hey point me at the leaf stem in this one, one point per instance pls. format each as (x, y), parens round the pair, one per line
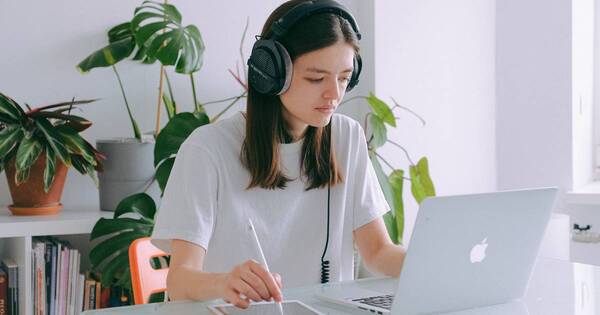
(403, 149)
(196, 106)
(136, 130)
(237, 98)
(384, 160)
(409, 110)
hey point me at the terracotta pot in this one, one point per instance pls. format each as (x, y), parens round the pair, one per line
(29, 198)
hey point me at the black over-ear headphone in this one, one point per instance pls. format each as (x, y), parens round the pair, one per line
(270, 65)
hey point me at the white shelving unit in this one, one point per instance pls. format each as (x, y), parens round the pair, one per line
(16, 234)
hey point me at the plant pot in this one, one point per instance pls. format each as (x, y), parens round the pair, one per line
(29, 198)
(128, 169)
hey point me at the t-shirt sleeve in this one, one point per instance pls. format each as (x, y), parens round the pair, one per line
(369, 201)
(187, 210)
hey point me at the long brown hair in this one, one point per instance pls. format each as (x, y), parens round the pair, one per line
(265, 125)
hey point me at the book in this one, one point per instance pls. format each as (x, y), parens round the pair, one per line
(92, 295)
(3, 292)
(80, 291)
(11, 269)
(98, 291)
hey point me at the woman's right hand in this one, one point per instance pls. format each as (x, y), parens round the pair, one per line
(250, 281)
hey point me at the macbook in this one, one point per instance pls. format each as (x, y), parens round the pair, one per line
(465, 252)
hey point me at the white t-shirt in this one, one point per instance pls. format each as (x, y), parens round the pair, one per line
(206, 202)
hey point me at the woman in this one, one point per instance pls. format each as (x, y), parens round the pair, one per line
(300, 172)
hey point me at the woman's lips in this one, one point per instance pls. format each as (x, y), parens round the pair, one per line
(326, 109)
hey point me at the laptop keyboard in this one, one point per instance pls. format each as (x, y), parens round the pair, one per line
(382, 301)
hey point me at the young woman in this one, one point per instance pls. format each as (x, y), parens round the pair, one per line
(300, 172)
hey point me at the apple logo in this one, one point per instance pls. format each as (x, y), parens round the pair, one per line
(478, 251)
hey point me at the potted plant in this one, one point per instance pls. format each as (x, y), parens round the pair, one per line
(158, 34)
(378, 120)
(36, 148)
(134, 215)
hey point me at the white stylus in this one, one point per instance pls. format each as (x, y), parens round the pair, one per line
(262, 257)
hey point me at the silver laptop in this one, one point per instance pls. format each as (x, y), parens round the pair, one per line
(465, 252)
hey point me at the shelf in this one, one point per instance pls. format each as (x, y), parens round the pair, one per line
(587, 195)
(68, 221)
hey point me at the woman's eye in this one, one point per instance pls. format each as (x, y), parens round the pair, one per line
(345, 79)
(312, 80)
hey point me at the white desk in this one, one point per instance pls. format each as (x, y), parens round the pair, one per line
(556, 288)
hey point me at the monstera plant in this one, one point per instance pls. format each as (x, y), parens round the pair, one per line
(155, 33)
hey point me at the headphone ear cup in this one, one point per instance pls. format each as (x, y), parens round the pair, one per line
(267, 67)
(355, 73)
(288, 68)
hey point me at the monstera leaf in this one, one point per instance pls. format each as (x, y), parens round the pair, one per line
(169, 141)
(133, 219)
(157, 29)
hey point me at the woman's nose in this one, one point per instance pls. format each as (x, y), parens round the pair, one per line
(332, 90)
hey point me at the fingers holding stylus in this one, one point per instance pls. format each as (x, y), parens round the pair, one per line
(251, 281)
(268, 279)
(277, 278)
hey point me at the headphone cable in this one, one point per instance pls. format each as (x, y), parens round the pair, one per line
(325, 263)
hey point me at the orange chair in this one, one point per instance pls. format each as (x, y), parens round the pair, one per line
(145, 280)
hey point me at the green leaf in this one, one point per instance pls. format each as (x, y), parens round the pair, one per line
(28, 152)
(381, 110)
(76, 144)
(21, 176)
(104, 227)
(147, 31)
(9, 137)
(108, 56)
(163, 172)
(76, 122)
(191, 59)
(50, 169)
(119, 32)
(201, 115)
(382, 179)
(10, 108)
(114, 266)
(112, 246)
(139, 203)
(396, 180)
(421, 184)
(91, 172)
(379, 131)
(157, 27)
(54, 139)
(7, 120)
(78, 163)
(173, 134)
(391, 226)
(63, 105)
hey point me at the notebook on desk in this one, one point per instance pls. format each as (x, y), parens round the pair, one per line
(465, 252)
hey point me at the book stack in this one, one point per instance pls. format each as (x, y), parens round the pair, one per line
(59, 288)
(57, 282)
(9, 287)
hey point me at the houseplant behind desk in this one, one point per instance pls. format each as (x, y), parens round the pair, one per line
(36, 148)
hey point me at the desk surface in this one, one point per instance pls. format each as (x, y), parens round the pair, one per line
(556, 288)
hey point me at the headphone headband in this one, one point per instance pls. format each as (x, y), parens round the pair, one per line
(281, 26)
(270, 65)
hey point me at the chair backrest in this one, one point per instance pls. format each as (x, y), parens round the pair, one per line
(145, 280)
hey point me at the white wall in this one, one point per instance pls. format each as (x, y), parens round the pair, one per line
(43, 42)
(533, 62)
(432, 56)
(437, 58)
